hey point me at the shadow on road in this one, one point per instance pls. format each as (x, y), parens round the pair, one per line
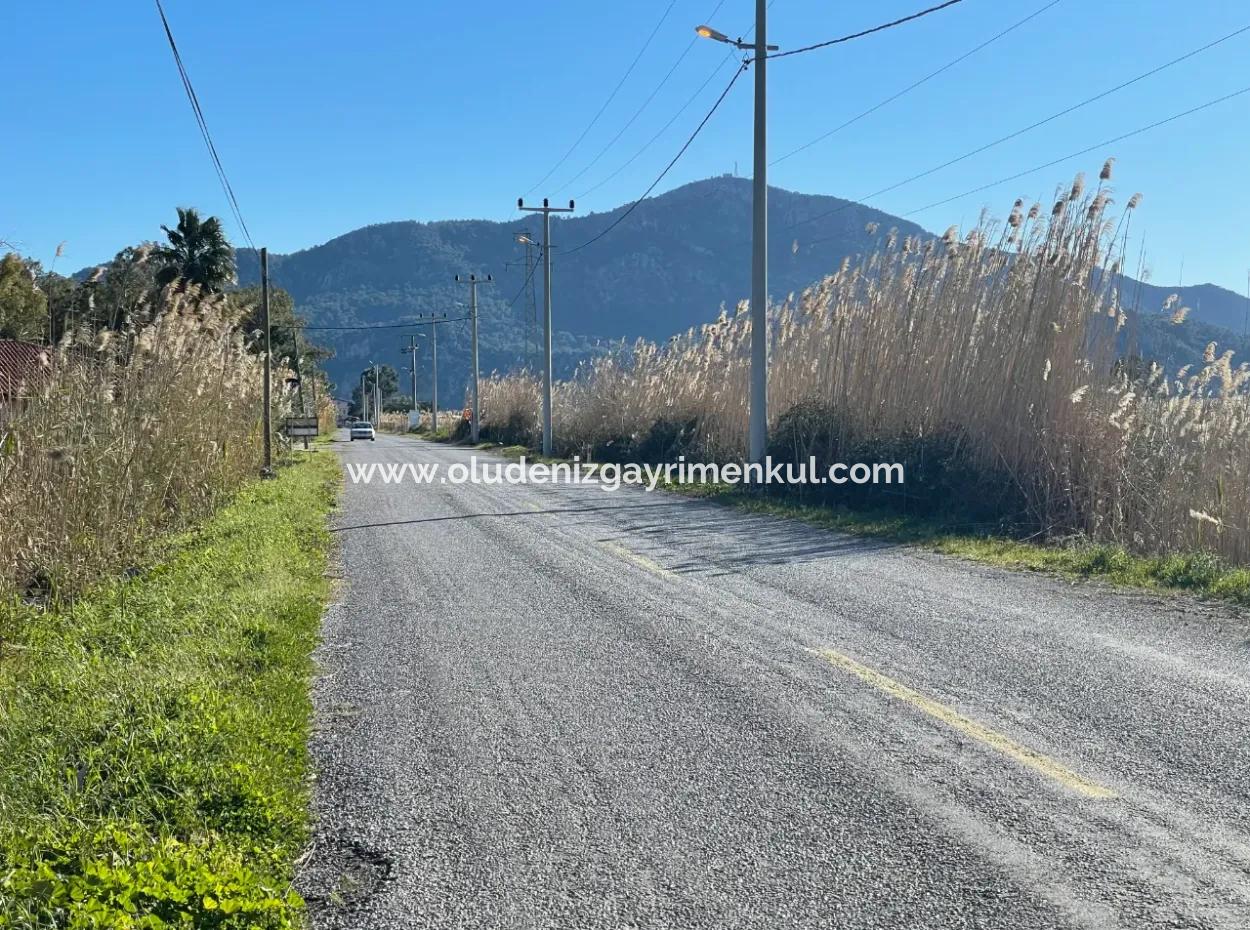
(479, 516)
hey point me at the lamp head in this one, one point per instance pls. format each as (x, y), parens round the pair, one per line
(708, 32)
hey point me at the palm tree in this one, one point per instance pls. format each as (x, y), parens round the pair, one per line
(198, 252)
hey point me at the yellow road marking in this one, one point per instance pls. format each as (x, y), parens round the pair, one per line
(534, 507)
(640, 560)
(983, 734)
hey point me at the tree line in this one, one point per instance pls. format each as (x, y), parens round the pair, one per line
(43, 306)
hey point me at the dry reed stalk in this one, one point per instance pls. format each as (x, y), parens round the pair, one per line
(134, 433)
(1001, 344)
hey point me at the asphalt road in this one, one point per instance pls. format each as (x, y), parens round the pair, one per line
(554, 706)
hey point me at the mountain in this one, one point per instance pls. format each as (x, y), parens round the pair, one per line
(671, 264)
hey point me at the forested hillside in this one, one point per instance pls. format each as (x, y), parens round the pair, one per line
(672, 264)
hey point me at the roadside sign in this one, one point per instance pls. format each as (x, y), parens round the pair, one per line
(301, 426)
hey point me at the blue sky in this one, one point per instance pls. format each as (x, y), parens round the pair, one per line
(331, 115)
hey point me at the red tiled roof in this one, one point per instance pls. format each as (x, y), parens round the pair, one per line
(20, 363)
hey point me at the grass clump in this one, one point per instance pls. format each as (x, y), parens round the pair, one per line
(153, 762)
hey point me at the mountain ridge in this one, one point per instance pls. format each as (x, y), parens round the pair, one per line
(671, 264)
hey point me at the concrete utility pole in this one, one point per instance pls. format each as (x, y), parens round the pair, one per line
(758, 430)
(546, 210)
(434, 402)
(434, 320)
(759, 245)
(473, 282)
(264, 312)
(375, 411)
(415, 419)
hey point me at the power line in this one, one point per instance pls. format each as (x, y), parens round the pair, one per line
(526, 283)
(1056, 161)
(203, 124)
(408, 325)
(1086, 151)
(608, 102)
(684, 107)
(698, 129)
(910, 87)
(1029, 128)
(866, 32)
(646, 103)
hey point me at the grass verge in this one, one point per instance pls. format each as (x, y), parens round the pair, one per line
(153, 762)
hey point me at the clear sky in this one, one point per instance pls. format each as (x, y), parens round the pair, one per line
(330, 115)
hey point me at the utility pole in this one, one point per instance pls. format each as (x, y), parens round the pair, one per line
(377, 397)
(434, 320)
(434, 399)
(473, 282)
(759, 246)
(546, 210)
(758, 429)
(264, 312)
(415, 419)
(299, 374)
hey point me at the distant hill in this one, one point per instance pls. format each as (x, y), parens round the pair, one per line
(670, 265)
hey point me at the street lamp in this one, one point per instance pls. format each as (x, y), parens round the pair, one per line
(759, 230)
(708, 32)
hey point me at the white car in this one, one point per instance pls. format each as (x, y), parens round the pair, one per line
(362, 429)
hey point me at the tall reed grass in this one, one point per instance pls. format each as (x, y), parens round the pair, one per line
(126, 435)
(996, 364)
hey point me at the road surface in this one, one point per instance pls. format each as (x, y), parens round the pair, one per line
(559, 707)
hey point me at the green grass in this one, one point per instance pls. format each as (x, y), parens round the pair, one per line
(153, 760)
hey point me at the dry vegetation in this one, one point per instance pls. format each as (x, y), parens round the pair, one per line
(126, 435)
(993, 364)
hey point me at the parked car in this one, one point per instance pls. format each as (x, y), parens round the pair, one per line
(361, 429)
